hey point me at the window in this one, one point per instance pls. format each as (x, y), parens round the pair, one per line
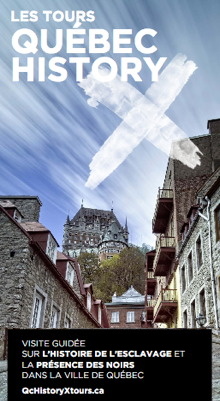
(183, 278)
(202, 306)
(70, 274)
(89, 301)
(199, 253)
(38, 311)
(54, 321)
(67, 322)
(17, 216)
(115, 317)
(217, 222)
(190, 267)
(51, 250)
(100, 315)
(130, 317)
(185, 323)
(193, 314)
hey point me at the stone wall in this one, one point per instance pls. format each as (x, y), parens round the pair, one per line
(29, 206)
(41, 278)
(202, 276)
(3, 380)
(14, 256)
(23, 270)
(215, 366)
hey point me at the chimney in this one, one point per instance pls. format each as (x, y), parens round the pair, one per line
(214, 131)
(214, 126)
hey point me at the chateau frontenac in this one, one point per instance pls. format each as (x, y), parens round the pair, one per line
(94, 230)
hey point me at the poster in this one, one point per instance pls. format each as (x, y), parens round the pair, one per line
(49, 131)
(83, 103)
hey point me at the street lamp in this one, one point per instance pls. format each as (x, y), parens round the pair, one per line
(201, 320)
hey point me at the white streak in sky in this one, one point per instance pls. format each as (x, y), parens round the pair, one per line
(143, 117)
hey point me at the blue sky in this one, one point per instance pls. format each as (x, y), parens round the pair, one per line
(49, 133)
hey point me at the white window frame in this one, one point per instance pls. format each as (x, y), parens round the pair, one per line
(130, 317)
(55, 312)
(39, 302)
(115, 317)
(70, 273)
(99, 314)
(89, 301)
(67, 320)
(51, 249)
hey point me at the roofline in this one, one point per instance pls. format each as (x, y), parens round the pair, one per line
(211, 121)
(21, 197)
(40, 231)
(210, 190)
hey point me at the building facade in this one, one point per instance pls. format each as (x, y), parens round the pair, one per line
(127, 311)
(94, 230)
(40, 287)
(199, 258)
(174, 201)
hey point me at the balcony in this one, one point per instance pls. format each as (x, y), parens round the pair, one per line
(150, 260)
(150, 308)
(163, 210)
(151, 283)
(165, 254)
(165, 306)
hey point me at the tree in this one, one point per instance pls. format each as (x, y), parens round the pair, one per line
(89, 264)
(119, 273)
(144, 248)
(116, 274)
(130, 270)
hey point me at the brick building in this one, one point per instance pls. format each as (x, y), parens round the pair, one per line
(40, 287)
(173, 204)
(94, 230)
(127, 311)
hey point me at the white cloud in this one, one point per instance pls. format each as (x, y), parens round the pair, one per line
(143, 117)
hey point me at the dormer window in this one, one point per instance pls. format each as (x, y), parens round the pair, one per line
(99, 315)
(70, 274)
(89, 301)
(51, 249)
(17, 216)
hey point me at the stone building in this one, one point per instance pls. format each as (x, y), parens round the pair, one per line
(174, 201)
(127, 311)
(39, 287)
(199, 257)
(93, 230)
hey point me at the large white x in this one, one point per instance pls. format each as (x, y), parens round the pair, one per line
(143, 117)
